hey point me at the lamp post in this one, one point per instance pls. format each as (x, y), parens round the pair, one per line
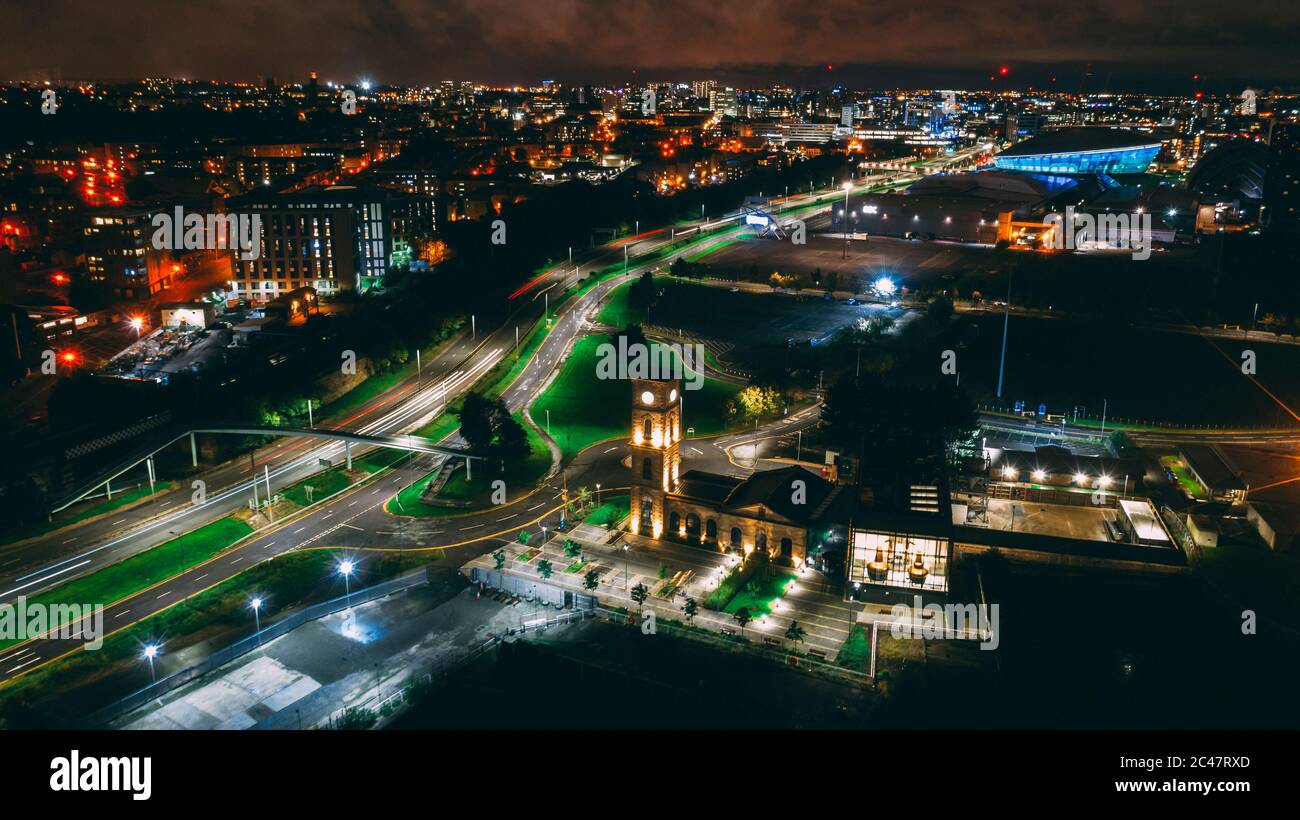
(256, 606)
(848, 186)
(151, 652)
(597, 495)
(346, 567)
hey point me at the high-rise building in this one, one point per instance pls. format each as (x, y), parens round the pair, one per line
(335, 238)
(118, 251)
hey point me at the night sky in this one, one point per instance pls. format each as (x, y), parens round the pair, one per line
(1132, 44)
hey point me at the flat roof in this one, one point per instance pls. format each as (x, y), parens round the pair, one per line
(1211, 468)
(1143, 518)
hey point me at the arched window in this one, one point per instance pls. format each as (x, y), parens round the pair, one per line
(692, 525)
(711, 530)
(735, 537)
(647, 468)
(674, 521)
(760, 543)
(787, 548)
(645, 428)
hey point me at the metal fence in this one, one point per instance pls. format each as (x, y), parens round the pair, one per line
(242, 647)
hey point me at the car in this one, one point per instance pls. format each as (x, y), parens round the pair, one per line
(850, 301)
(734, 290)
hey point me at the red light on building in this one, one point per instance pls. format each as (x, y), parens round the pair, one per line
(60, 279)
(1004, 71)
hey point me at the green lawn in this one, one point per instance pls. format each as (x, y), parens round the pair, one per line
(585, 409)
(759, 600)
(81, 682)
(147, 568)
(1183, 475)
(617, 312)
(100, 508)
(519, 477)
(612, 510)
(855, 653)
(323, 484)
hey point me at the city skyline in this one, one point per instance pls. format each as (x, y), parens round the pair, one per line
(1152, 47)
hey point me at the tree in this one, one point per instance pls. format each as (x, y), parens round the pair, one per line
(689, 608)
(583, 497)
(572, 548)
(500, 557)
(743, 618)
(641, 293)
(795, 632)
(544, 568)
(476, 422)
(639, 593)
(663, 570)
(755, 401)
(512, 440)
(524, 537)
(940, 310)
(590, 580)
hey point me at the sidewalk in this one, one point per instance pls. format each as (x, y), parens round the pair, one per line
(634, 559)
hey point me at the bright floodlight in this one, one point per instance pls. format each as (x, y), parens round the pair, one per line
(346, 567)
(151, 651)
(136, 323)
(848, 186)
(1039, 475)
(1105, 480)
(1008, 472)
(256, 603)
(1080, 478)
(365, 85)
(884, 285)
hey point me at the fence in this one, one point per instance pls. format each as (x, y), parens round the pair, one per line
(224, 656)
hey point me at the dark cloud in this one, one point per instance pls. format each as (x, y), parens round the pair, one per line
(422, 41)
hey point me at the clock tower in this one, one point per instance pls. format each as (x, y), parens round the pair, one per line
(656, 450)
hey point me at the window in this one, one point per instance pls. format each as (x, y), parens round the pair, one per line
(645, 428)
(711, 530)
(647, 469)
(735, 537)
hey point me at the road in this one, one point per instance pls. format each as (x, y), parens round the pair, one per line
(359, 510)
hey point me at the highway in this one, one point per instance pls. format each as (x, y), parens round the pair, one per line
(338, 521)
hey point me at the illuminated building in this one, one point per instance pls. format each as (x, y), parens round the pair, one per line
(1082, 151)
(776, 513)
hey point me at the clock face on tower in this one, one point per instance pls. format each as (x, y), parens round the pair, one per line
(647, 397)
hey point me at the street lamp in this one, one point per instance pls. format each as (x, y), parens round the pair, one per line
(136, 324)
(256, 605)
(848, 186)
(597, 495)
(346, 568)
(150, 652)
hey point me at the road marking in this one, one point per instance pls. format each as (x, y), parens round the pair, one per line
(164, 504)
(352, 503)
(70, 540)
(164, 595)
(349, 526)
(535, 506)
(201, 577)
(471, 527)
(237, 560)
(508, 517)
(300, 529)
(21, 665)
(120, 614)
(115, 523)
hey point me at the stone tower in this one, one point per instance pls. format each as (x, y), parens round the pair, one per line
(656, 450)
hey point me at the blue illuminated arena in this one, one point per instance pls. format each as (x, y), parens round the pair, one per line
(1082, 151)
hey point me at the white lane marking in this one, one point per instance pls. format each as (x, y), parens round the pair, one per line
(508, 517)
(120, 614)
(164, 595)
(471, 527)
(300, 529)
(535, 506)
(45, 578)
(237, 560)
(115, 523)
(70, 540)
